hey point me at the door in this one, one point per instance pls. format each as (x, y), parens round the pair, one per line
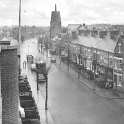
(115, 80)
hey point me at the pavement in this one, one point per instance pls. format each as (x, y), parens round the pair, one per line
(26, 49)
(45, 115)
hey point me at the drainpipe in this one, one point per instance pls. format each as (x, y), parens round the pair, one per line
(79, 59)
(108, 65)
(95, 65)
(68, 57)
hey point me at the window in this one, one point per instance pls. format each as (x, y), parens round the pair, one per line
(120, 78)
(119, 47)
(120, 61)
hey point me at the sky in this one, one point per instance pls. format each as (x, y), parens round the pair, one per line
(38, 12)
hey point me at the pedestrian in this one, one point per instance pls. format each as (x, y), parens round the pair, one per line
(24, 65)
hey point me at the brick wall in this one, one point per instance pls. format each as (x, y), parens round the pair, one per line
(9, 86)
(0, 110)
(0, 101)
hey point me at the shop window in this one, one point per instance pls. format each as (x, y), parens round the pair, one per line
(120, 61)
(115, 78)
(120, 78)
(81, 62)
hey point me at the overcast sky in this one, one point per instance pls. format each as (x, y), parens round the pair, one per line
(38, 12)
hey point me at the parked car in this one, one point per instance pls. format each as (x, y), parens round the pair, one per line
(104, 83)
(109, 83)
(22, 77)
(53, 60)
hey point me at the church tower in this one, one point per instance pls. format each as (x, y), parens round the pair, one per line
(55, 23)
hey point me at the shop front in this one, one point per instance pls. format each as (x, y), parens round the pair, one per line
(118, 71)
(105, 76)
(118, 78)
(107, 72)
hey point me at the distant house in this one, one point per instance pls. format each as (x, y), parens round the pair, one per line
(73, 27)
(73, 30)
(4, 43)
(119, 49)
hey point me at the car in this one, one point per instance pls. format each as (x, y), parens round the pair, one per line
(22, 112)
(23, 78)
(104, 83)
(53, 60)
(109, 84)
(100, 82)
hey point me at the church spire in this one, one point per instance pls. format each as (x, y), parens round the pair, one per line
(55, 8)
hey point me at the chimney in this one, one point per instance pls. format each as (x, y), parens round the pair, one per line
(108, 35)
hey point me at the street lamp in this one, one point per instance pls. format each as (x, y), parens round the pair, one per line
(19, 36)
(19, 22)
(46, 100)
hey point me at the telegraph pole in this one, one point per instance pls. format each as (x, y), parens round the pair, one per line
(46, 100)
(19, 35)
(20, 21)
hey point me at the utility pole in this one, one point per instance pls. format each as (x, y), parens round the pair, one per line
(68, 50)
(108, 66)
(68, 57)
(19, 22)
(19, 36)
(95, 63)
(46, 100)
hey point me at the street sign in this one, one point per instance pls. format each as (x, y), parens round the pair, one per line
(41, 68)
(29, 93)
(41, 77)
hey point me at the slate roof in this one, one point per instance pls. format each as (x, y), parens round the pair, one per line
(102, 44)
(5, 41)
(73, 27)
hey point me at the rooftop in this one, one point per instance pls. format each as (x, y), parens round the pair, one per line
(5, 41)
(102, 44)
(73, 27)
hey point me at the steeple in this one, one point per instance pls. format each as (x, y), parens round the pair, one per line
(55, 23)
(55, 8)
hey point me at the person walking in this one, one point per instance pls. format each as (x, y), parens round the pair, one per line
(24, 65)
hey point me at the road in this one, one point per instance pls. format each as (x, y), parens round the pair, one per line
(71, 102)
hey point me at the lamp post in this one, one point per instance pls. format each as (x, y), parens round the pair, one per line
(19, 36)
(68, 57)
(68, 45)
(46, 100)
(20, 21)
